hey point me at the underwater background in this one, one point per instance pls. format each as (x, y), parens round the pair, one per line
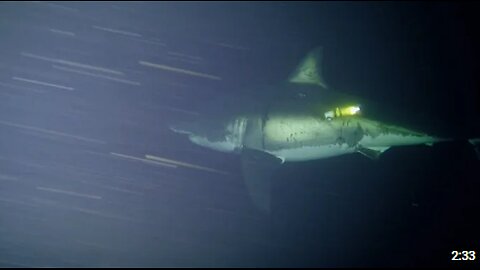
(87, 91)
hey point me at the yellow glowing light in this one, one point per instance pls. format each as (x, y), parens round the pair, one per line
(342, 111)
(350, 110)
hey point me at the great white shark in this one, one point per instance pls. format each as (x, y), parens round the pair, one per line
(307, 120)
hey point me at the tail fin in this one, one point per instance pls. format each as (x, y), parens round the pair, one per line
(476, 145)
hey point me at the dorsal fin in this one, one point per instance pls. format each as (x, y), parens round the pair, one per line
(310, 69)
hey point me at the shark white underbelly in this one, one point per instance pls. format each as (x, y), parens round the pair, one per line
(396, 140)
(305, 153)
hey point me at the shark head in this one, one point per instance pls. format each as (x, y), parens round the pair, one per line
(223, 136)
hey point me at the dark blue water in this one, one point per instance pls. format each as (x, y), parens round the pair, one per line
(84, 104)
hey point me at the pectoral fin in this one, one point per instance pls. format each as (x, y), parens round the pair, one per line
(258, 168)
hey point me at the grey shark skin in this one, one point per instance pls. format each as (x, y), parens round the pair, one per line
(297, 129)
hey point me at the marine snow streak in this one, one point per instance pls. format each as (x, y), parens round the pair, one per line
(51, 132)
(21, 87)
(143, 160)
(43, 83)
(8, 177)
(184, 164)
(70, 63)
(61, 32)
(61, 7)
(191, 57)
(178, 110)
(96, 75)
(6, 200)
(167, 162)
(179, 70)
(152, 42)
(72, 193)
(226, 45)
(126, 33)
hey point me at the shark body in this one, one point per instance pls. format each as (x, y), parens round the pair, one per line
(307, 124)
